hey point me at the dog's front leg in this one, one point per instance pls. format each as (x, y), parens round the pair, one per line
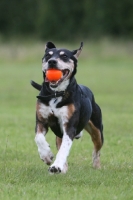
(43, 147)
(60, 162)
(41, 130)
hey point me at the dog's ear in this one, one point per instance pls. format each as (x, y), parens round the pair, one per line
(49, 45)
(77, 52)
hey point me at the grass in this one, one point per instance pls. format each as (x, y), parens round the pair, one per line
(106, 67)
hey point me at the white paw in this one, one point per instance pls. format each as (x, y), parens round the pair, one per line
(46, 155)
(54, 169)
(65, 168)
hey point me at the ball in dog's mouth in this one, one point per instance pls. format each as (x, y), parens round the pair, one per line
(54, 74)
(55, 83)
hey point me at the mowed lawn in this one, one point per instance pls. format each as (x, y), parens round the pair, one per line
(106, 67)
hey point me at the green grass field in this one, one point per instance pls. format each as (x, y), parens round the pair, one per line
(107, 68)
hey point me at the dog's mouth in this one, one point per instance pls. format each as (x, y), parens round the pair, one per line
(54, 84)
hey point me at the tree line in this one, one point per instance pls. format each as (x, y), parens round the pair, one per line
(66, 19)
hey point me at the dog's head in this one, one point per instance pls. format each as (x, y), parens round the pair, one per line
(61, 59)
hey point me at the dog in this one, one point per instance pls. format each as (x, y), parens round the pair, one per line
(67, 108)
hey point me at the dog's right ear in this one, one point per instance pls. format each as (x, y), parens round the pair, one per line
(49, 45)
(77, 52)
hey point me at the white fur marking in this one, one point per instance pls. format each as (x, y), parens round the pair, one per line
(62, 52)
(60, 113)
(45, 111)
(63, 85)
(50, 52)
(62, 153)
(43, 148)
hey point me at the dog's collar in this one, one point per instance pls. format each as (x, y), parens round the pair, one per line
(54, 95)
(65, 94)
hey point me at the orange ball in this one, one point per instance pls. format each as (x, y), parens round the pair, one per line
(53, 74)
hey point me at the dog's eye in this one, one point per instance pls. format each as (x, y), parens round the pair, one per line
(64, 56)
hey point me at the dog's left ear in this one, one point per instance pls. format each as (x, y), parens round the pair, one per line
(77, 52)
(49, 45)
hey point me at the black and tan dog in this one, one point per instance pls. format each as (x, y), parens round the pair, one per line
(67, 108)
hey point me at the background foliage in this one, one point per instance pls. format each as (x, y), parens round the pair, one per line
(66, 19)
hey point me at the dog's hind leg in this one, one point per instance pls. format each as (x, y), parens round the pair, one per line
(97, 140)
(58, 144)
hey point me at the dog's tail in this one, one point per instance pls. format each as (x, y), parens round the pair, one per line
(36, 85)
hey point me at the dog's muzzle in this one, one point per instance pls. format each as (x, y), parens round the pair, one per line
(53, 64)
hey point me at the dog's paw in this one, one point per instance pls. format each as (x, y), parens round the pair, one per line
(65, 168)
(46, 157)
(44, 149)
(54, 170)
(96, 160)
(96, 164)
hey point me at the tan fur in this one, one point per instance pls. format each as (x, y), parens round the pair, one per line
(71, 110)
(96, 138)
(40, 126)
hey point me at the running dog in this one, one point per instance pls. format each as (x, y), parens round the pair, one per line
(67, 108)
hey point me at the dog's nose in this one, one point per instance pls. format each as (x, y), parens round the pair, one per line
(52, 63)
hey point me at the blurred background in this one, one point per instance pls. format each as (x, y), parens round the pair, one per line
(105, 64)
(66, 20)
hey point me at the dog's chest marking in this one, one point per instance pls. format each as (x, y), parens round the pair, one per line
(61, 113)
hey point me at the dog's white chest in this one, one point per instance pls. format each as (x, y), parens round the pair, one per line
(53, 103)
(60, 113)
